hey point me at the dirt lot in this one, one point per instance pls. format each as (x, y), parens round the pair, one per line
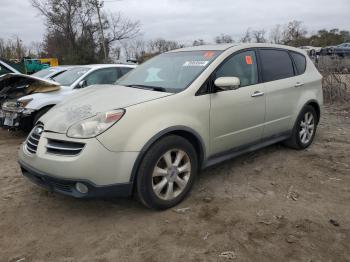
(272, 205)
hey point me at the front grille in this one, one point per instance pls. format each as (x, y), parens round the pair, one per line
(50, 183)
(34, 138)
(65, 148)
(62, 186)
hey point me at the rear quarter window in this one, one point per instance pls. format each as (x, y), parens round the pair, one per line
(276, 64)
(300, 62)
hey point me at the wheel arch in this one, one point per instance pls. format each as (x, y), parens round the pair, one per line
(48, 107)
(317, 108)
(188, 133)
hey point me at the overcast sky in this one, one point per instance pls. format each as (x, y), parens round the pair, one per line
(186, 20)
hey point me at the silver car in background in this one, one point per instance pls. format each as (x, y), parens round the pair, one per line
(177, 113)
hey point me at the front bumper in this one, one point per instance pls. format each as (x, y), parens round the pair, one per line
(15, 118)
(105, 173)
(67, 186)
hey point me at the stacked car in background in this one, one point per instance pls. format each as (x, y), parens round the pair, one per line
(342, 50)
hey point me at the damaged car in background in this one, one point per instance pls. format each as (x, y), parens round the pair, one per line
(24, 99)
(14, 88)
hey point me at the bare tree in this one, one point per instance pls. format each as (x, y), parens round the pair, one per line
(276, 34)
(247, 37)
(293, 33)
(198, 42)
(35, 49)
(161, 45)
(134, 49)
(223, 38)
(73, 31)
(121, 28)
(13, 49)
(258, 36)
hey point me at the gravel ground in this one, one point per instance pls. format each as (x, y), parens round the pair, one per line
(275, 204)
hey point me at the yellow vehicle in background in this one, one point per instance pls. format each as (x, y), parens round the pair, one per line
(50, 61)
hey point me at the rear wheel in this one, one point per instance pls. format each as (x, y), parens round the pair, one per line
(167, 172)
(304, 129)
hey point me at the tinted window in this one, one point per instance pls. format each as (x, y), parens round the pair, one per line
(300, 62)
(102, 76)
(4, 70)
(276, 64)
(125, 70)
(243, 66)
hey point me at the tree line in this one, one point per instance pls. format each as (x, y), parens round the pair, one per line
(82, 32)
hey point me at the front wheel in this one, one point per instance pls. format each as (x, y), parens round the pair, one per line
(167, 172)
(304, 129)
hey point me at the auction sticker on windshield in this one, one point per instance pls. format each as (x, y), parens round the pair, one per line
(195, 63)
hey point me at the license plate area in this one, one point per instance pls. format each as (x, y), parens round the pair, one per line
(9, 118)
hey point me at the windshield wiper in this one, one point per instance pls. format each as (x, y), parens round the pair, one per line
(154, 88)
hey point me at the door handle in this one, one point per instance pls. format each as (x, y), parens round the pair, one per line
(299, 84)
(257, 93)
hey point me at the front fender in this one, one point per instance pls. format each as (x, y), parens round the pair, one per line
(144, 122)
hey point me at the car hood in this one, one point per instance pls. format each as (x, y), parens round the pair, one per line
(89, 101)
(14, 86)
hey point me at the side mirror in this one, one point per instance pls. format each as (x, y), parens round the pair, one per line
(227, 83)
(82, 84)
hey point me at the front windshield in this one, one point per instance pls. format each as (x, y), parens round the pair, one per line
(70, 76)
(45, 72)
(170, 72)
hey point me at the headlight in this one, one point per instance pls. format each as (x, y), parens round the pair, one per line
(95, 125)
(23, 103)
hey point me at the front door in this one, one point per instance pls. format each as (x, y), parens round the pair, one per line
(237, 116)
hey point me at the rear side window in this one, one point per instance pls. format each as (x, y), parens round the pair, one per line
(276, 64)
(300, 62)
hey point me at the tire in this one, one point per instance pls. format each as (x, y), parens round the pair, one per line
(40, 113)
(303, 135)
(154, 188)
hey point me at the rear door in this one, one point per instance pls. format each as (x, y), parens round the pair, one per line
(282, 87)
(237, 116)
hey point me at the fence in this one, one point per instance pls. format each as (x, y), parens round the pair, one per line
(336, 78)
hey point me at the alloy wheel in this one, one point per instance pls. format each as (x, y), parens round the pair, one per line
(307, 128)
(171, 174)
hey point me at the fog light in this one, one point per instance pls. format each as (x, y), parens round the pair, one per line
(81, 188)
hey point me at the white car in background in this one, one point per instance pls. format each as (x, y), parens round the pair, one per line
(52, 72)
(42, 95)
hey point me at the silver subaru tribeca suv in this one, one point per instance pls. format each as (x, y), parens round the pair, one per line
(174, 115)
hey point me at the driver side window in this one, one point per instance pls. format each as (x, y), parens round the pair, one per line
(102, 76)
(242, 65)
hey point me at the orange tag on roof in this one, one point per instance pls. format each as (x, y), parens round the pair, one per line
(209, 54)
(248, 60)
